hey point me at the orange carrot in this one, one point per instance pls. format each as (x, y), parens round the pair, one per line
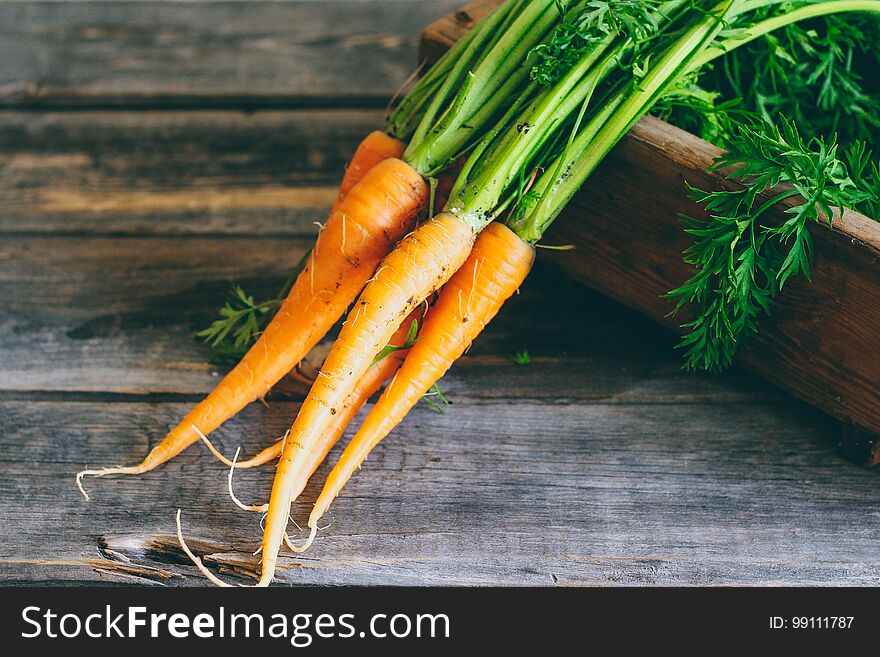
(368, 384)
(365, 225)
(375, 376)
(421, 263)
(497, 266)
(375, 147)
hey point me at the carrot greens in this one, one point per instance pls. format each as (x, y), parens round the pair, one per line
(816, 78)
(521, 358)
(242, 320)
(742, 264)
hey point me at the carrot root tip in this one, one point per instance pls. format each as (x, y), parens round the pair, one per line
(102, 473)
(225, 461)
(262, 508)
(313, 530)
(196, 560)
(263, 457)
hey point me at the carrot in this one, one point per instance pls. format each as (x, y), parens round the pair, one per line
(421, 263)
(479, 93)
(495, 269)
(368, 384)
(364, 226)
(588, 98)
(374, 148)
(372, 380)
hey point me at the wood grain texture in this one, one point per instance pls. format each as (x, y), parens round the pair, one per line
(823, 340)
(601, 462)
(195, 172)
(200, 54)
(492, 492)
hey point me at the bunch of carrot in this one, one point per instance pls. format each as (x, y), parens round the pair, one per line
(532, 99)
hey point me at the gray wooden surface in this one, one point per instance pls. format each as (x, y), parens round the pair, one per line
(125, 214)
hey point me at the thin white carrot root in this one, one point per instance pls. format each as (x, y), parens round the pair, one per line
(101, 473)
(263, 508)
(198, 562)
(262, 529)
(225, 461)
(259, 459)
(313, 530)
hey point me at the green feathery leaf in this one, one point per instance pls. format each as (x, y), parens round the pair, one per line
(242, 321)
(742, 261)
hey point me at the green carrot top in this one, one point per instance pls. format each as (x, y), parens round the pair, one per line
(603, 67)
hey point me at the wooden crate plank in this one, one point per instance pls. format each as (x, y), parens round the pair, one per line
(491, 492)
(821, 341)
(221, 54)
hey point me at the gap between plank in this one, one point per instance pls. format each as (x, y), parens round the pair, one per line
(178, 103)
(110, 397)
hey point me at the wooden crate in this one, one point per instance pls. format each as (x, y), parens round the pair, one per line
(822, 342)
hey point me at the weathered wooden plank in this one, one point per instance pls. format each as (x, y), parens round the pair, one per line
(599, 463)
(149, 173)
(249, 54)
(522, 492)
(822, 341)
(120, 314)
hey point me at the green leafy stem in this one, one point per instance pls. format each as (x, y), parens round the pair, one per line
(742, 260)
